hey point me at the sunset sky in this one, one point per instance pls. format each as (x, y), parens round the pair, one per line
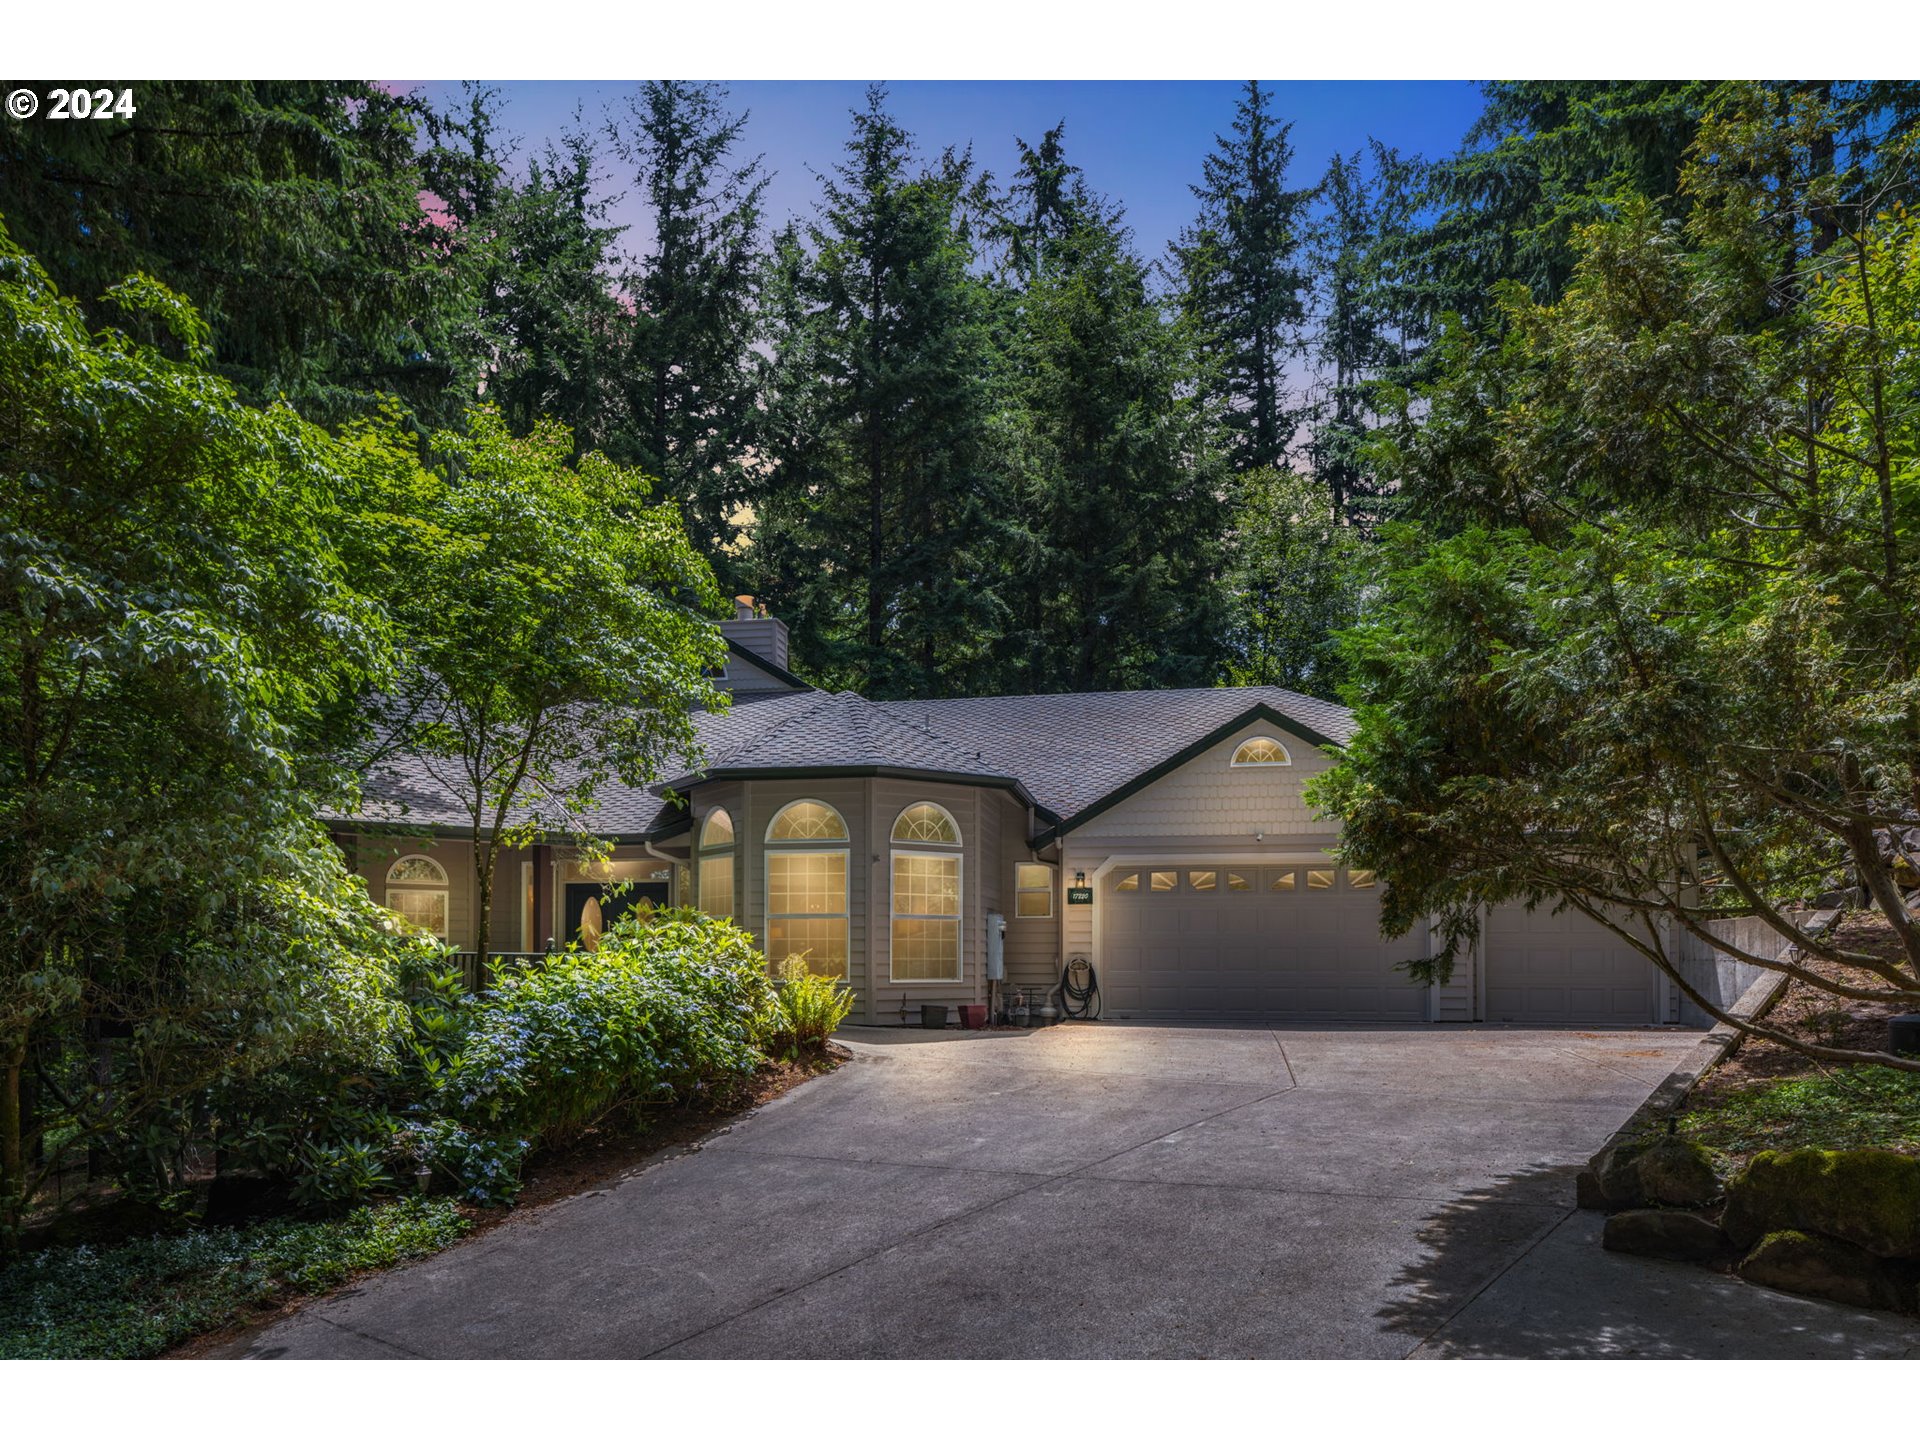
(1140, 142)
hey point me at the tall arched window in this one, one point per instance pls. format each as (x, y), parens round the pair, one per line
(807, 887)
(417, 892)
(715, 862)
(925, 937)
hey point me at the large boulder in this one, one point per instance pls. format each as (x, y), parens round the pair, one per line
(1830, 1269)
(1869, 1198)
(1667, 1235)
(1658, 1170)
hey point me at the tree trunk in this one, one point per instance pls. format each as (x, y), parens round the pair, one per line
(13, 1168)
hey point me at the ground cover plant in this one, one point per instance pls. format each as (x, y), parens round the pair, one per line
(136, 1299)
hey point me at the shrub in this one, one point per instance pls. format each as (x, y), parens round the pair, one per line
(136, 1300)
(658, 1011)
(810, 1006)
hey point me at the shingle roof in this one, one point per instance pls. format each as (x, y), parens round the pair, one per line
(1064, 752)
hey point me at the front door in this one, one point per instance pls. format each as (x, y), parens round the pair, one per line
(593, 907)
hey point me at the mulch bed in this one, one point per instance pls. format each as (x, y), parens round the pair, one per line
(601, 1158)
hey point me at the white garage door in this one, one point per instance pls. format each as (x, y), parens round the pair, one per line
(1180, 941)
(1547, 969)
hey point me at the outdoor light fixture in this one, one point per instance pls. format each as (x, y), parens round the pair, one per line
(1079, 877)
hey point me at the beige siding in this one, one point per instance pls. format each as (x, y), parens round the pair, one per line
(743, 677)
(889, 1001)
(373, 856)
(1208, 800)
(1033, 945)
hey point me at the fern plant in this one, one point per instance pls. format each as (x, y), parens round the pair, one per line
(810, 1006)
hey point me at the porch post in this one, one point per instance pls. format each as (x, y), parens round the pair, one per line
(543, 911)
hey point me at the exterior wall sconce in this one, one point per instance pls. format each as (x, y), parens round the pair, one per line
(1079, 877)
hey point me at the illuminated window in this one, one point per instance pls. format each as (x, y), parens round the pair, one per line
(1238, 882)
(925, 824)
(926, 917)
(417, 893)
(1285, 880)
(1201, 879)
(1360, 879)
(1319, 879)
(715, 862)
(1128, 882)
(1032, 891)
(806, 820)
(1262, 751)
(1165, 880)
(807, 889)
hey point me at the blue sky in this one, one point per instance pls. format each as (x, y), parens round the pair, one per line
(1140, 142)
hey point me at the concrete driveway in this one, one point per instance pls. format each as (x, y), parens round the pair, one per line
(1110, 1191)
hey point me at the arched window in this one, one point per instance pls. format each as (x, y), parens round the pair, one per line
(1261, 751)
(925, 824)
(806, 820)
(417, 892)
(715, 862)
(807, 887)
(925, 936)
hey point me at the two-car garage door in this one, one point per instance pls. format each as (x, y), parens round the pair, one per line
(1184, 941)
(1181, 941)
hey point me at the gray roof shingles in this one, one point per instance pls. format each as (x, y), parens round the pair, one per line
(1066, 751)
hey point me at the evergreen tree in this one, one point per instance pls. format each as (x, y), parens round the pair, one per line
(288, 211)
(1118, 576)
(878, 514)
(1357, 342)
(545, 330)
(1240, 269)
(690, 382)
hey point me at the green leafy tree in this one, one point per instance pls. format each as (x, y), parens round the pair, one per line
(1116, 581)
(289, 213)
(1296, 576)
(878, 517)
(1242, 277)
(1664, 670)
(551, 623)
(177, 644)
(690, 362)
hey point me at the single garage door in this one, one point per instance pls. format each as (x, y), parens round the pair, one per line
(1547, 969)
(1180, 941)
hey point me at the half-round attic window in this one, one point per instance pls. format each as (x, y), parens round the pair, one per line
(416, 870)
(807, 820)
(1262, 751)
(925, 824)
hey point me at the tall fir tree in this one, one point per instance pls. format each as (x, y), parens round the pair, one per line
(1357, 341)
(877, 511)
(545, 330)
(1241, 273)
(1118, 580)
(690, 360)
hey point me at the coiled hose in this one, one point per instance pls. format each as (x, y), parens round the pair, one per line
(1079, 990)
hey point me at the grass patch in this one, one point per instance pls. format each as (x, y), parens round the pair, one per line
(1837, 1110)
(139, 1299)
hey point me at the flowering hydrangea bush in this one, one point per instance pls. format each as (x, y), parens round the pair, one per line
(659, 1011)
